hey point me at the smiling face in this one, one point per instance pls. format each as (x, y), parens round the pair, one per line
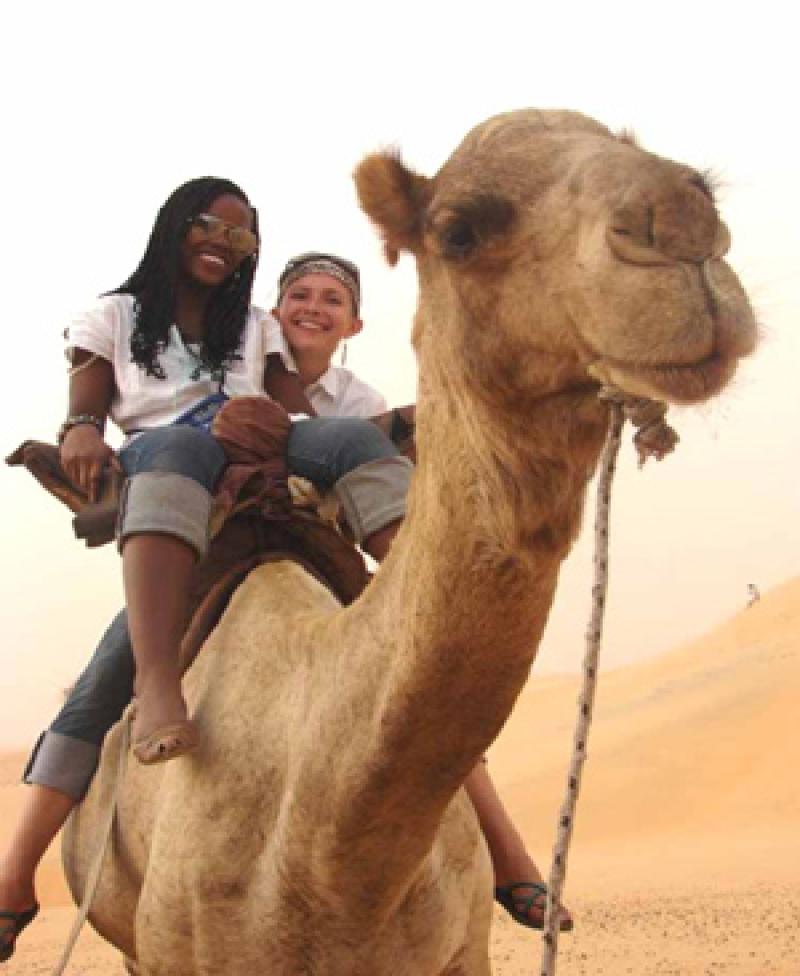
(209, 259)
(316, 314)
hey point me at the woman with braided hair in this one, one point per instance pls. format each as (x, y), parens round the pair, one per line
(160, 355)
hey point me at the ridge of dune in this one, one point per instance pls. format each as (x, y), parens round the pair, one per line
(689, 756)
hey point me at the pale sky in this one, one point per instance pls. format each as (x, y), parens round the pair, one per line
(108, 107)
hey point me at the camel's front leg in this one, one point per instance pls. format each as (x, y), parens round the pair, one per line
(470, 963)
(473, 957)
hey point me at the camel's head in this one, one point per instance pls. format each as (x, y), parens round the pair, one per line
(551, 252)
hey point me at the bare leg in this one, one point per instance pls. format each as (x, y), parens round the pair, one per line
(156, 571)
(510, 857)
(43, 814)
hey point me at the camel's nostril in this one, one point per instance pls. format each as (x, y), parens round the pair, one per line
(634, 248)
(680, 225)
(634, 222)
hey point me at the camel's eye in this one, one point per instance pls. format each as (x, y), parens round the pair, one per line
(479, 223)
(458, 239)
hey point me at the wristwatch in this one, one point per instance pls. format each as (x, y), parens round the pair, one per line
(78, 420)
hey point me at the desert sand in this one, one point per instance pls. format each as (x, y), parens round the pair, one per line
(686, 854)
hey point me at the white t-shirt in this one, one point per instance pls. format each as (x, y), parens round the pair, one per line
(141, 401)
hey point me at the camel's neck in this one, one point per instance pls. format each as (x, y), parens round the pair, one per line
(459, 607)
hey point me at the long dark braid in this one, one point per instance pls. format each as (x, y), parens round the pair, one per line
(154, 284)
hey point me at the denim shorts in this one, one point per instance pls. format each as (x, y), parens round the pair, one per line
(321, 449)
(182, 450)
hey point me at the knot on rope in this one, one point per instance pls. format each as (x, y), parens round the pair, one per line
(654, 437)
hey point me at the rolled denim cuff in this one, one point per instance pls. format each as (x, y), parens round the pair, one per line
(63, 764)
(373, 495)
(166, 503)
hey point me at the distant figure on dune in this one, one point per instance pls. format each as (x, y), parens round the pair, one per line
(753, 594)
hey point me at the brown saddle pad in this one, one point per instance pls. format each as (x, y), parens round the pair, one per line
(249, 539)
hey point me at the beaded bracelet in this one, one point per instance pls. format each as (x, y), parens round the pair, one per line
(77, 420)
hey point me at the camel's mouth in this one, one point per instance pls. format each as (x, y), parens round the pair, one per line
(734, 336)
(676, 383)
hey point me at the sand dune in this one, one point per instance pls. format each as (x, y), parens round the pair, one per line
(688, 751)
(686, 855)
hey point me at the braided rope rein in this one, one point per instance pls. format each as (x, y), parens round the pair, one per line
(654, 438)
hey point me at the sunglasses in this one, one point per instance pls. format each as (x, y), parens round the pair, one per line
(206, 227)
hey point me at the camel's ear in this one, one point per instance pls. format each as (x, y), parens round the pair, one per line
(395, 198)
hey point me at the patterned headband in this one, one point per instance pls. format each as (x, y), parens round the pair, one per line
(316, 263)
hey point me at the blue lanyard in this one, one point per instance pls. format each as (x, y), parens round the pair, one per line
(202, 413)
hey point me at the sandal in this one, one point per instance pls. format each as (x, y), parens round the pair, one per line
(168, 742)
(519, 906)
(12, 924)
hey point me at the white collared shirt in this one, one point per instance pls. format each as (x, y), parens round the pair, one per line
(141, 401)
(338, 392)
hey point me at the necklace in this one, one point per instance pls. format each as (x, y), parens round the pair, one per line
(201, 365)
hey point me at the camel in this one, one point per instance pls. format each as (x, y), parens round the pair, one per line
(321, 828)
